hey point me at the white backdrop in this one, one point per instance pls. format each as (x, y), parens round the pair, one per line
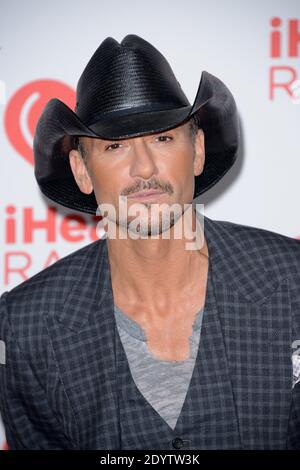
(253, 47)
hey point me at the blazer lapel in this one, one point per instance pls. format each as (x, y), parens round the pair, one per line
(83, 336)
(254, 309)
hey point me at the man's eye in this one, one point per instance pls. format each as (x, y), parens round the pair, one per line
(115, 146)
(164, 137)
(112, 146)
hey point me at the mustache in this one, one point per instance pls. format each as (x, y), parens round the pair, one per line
(146, 185)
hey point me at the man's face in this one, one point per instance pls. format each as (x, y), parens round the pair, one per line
(165, 161)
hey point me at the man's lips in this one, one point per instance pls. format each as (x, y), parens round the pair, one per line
(146, 194)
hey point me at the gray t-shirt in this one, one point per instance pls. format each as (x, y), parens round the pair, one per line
(164, 384)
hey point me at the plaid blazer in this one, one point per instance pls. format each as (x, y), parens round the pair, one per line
(66, 382)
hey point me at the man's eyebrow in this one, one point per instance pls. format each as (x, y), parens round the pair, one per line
(104, 142)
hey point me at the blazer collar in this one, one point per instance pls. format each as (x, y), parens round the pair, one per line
(235, 256)
(231, 253)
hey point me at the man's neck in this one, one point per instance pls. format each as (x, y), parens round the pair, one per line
(155, 271)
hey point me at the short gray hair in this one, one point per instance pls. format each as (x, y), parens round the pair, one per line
(76, 144)
(194, 125)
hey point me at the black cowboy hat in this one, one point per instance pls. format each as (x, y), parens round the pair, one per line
(128, 90)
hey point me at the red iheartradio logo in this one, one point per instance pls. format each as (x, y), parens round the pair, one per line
(25, 107)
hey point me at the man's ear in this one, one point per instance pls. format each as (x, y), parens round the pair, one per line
(199, 148)
(80, 172)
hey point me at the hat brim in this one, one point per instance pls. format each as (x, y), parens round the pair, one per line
(216, 111)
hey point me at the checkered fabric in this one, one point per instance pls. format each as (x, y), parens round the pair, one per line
(296, 369)
(66, 383)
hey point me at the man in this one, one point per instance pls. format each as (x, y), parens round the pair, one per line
(139, 341)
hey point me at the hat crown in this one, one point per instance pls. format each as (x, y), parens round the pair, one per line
(128, 90)
(132, 76)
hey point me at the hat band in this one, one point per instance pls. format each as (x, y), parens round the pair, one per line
(134, 110)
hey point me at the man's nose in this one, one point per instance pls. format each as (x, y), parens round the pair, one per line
(143, 163)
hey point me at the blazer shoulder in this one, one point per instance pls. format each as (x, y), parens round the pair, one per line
(62, 270)
(274, 249)
(46, 290)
